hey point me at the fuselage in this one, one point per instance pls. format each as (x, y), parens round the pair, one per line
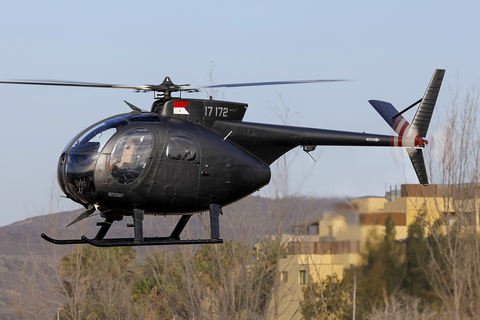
(183, 156)
(159, 164)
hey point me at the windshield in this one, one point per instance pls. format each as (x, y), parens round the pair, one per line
(95, 139)
(77, 164)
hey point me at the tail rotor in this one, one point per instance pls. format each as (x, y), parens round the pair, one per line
(413, 136)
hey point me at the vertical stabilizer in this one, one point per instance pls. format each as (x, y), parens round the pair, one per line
(388, 111)
(422, 118)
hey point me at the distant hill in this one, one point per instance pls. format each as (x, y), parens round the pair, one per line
(249, 220)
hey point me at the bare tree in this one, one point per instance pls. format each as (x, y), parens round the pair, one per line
(451, 223)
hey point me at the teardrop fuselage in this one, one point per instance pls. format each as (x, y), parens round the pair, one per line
(162, 165)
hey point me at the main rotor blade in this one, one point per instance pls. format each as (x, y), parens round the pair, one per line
(76, 84)
(254, 84)
(166, 87)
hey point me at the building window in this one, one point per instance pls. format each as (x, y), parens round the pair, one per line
(471, 218)
(303, 277)
(284, 276)
(450, 217)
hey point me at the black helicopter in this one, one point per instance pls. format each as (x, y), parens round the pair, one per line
(186, 156)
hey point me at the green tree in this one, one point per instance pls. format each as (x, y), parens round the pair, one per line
(337, 299)
(394, 258)
(415, 282)
(383, 269)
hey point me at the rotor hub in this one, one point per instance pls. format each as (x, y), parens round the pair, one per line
(420, 142)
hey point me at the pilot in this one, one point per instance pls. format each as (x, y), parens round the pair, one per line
(128, 158)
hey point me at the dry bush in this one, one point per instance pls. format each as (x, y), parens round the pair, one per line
(405, 307)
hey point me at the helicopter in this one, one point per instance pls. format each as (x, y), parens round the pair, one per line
(188, 156)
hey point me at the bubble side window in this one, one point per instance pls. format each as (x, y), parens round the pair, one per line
(181, 148)
(130, 155)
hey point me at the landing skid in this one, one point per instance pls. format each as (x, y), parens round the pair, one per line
(130, 242)
(153, 241)
(57, 241)
(139, 239)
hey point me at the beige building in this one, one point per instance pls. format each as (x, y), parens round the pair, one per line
(328, 246)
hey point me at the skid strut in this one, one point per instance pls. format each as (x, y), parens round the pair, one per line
(140, 240)
(179, 227)
(137, 225)
(215, 211)
(105, 226)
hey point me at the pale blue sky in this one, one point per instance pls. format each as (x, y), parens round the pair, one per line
(389, 49)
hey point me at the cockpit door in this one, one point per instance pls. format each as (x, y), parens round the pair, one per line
(177, 174)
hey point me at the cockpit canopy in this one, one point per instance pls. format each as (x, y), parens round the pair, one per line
(128, 157)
